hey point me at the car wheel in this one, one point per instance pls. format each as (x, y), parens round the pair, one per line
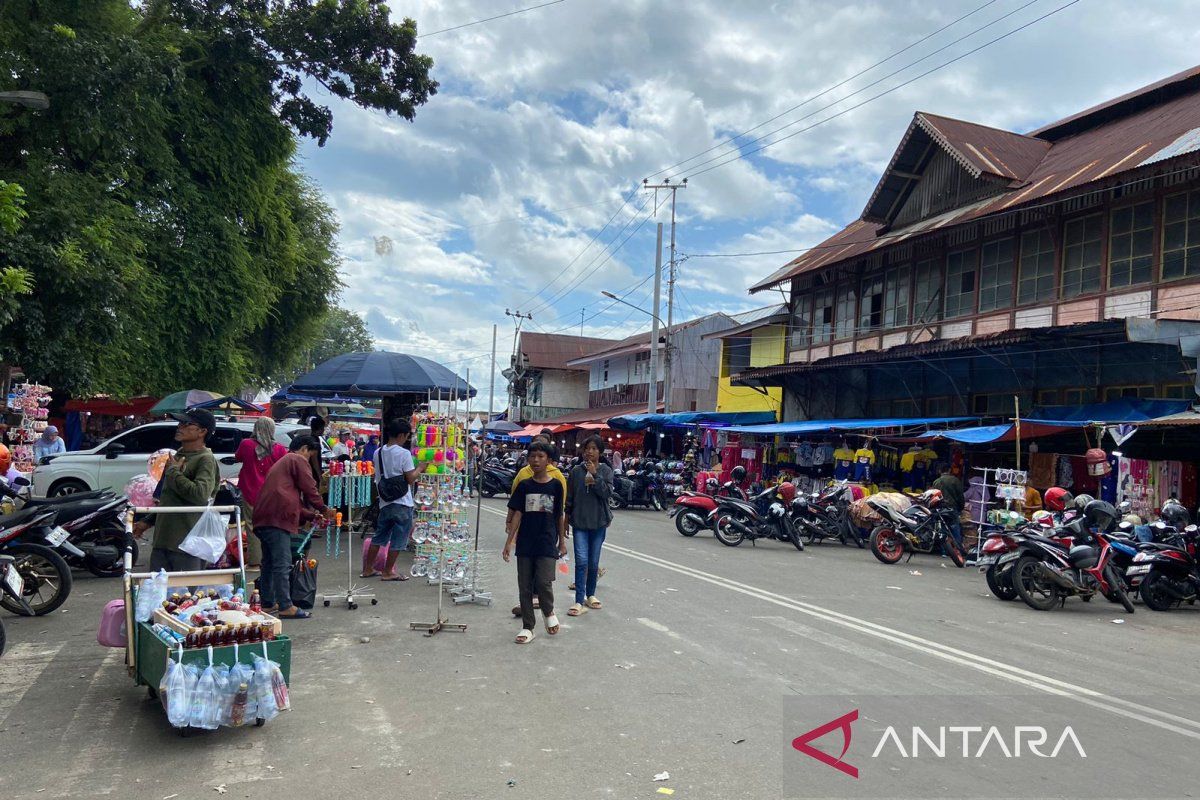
(67, 486)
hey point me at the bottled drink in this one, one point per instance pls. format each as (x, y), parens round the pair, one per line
(255, 602)
(192, 639)
(237, 714)
(266, 631)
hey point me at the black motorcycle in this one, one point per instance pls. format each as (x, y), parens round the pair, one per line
(12, 587)
(495, 479)
(1166, 573)
(826, 515)
(642, 489)
(763, 516)
(30, 536)
(95, 523)
(924, 528)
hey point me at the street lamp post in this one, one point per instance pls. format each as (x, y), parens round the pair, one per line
(652, 384)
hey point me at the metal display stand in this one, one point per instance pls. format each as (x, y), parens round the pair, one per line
(353, 489)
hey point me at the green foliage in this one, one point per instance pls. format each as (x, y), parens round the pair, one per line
(171, 240)
(14, 282)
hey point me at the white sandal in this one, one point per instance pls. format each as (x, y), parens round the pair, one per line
(552, 627)
(525, 636)
(592, 602)
(576, 610)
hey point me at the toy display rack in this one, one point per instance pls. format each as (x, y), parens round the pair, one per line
(354, 491)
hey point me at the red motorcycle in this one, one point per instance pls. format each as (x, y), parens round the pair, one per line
(691, 510)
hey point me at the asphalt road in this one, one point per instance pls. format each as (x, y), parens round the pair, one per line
(705, 663)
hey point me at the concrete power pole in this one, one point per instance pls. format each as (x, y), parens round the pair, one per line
(514, 402)
(666, 185)
(652, 389)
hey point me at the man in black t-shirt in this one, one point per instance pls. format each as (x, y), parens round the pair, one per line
(538, 528)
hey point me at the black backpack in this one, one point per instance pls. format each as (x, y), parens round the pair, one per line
(390, 488)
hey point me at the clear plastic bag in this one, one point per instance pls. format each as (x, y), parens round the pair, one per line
(150, 596)
(206, 539)
(243, 674)
(179, 682)
(205, 702)
(263, 694)
(279, 688)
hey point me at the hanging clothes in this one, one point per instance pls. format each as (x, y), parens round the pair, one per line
(1041, 470)
(1066, 473)
(1108, 484)
(843, 463)
(978, 498)
(1188, 490)
(864, 461)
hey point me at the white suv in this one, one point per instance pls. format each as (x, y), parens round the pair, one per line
(111, 464)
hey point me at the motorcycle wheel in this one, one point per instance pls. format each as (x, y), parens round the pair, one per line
(795, 538)
(887, 545)
(112, 536)
(725, 532)
(1118, 588)
(954, 551)
(1001, 587)
(1036, 594)
(47, 578)
(1154, 594)
(686, 525)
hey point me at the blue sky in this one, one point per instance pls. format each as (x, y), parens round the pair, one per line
(546, 120)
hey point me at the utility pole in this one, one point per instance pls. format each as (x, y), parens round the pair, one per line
(581, 320)
(515, 370)
(652, 389)
(666, 185)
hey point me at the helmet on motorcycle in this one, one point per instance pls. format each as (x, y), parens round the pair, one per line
(1174, 514)
(786, 491)
(1101, 514)
(1043, 518)
(738, 473)
(1056, 499)
(711, 485)
(629, 473)
(5, 459)
(1081, 502)
(931, 497)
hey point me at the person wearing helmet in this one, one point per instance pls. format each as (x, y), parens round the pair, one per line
(1056, 499)
(953, 496)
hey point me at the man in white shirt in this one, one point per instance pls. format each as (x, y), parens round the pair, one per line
(395, 516)
(344, 446)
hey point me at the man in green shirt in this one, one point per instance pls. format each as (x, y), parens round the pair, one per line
(952, 495)
(191, 478)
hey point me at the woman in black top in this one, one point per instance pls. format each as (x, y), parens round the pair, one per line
(588, 488)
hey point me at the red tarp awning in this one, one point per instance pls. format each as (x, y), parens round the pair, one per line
(138, 406)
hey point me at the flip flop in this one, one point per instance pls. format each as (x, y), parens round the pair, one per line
(300, 614)
(370, 574)
(399, 577)
(571, 586)
(592, 602)
(576, 611)
(525, 636)
(552, 624)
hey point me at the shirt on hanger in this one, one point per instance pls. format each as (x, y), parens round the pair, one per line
(843, 462)
(864, 460)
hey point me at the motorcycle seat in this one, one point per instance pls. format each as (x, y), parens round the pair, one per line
(18, 517)
(69, 498)
(1083, 556)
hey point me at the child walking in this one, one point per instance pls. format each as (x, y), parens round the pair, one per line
(538, 528)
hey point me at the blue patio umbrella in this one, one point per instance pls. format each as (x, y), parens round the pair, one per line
(381, 374)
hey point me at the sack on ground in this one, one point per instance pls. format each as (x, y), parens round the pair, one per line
(206, 539)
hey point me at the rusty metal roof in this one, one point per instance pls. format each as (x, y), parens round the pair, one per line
(1150, 130)
(638, 342)
(554, 350)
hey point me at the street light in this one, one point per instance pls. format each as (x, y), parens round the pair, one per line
(612, 296)
(652, 382)
(38, 101)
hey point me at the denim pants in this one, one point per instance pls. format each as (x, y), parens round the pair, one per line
(393, 527)
(587, 561)
(275, 581)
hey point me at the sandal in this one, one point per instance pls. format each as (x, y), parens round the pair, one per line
(392, 578)
(370, 574)
(576, 611)
(525, 636)
(552, 624)
(300, 614)
(592, 602)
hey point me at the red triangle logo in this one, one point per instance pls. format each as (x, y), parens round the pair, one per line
(801, 743)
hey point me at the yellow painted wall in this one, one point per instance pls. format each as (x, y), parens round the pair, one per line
(767, 348)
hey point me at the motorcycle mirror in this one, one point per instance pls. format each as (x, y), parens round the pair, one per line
(20, 481)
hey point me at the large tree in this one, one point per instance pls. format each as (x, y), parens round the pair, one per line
(171, 240)
(339, 331)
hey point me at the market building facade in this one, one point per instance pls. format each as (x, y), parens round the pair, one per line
(993, 270)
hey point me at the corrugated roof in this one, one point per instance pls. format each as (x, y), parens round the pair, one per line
(601, 414)
(1083, 158)
(750, 320)
(639, 341)
(554, 350)
(984, 150)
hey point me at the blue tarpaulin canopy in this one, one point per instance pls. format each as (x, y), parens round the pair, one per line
(1125, 409)
(835, 425)
(1002, 433)
(639, 422)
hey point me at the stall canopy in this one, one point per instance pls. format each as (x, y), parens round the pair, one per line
(840, 425)
(638, 422)
(179, 402)
(229, 404)
(135, 407)
(381, 374)
(985, 434)
(1125, 409)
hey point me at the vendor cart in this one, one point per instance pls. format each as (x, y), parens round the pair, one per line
(146, 655)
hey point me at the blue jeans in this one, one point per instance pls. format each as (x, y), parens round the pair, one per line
(956, 532)
(275, 580)
(587, 561)
(393, 527)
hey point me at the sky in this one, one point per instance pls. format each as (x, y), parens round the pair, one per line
(517, 185)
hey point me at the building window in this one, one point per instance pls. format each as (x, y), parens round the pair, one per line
(1178, 391)
(802, 322)
(1036, 281)
(1082, 255)
(1131, 245)
(845, 316)
(1117, 392)
(895, 297)
(1181, 236)
(822, 323)
(996, 275)
(937, 406)
(960, 283)
(1047, 397)
(1078, 397)
(905, 408)
(871, 308)
(996, 404)
(927, 292)
(735, 355)
(641, 366)
(606, 370)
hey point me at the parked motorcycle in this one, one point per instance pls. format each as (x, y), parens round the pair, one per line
(495, 479)
(644, 488)
(826, 515)
(691, 510)
(12, 587)
(924, 528)
(763, 516)
(1167, 573)
(1048, 572)
(30, 536)
(95, 524)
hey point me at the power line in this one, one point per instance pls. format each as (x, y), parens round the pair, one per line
(457, 227)
(826, 91)
(489, 19)
(897, 87)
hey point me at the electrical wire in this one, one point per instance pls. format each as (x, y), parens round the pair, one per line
(489, 19)
(826, 91)
(741, 155)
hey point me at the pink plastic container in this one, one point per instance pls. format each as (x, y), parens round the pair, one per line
(111, 632)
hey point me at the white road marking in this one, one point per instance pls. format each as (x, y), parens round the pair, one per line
(1008, 672)
(20, 668)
